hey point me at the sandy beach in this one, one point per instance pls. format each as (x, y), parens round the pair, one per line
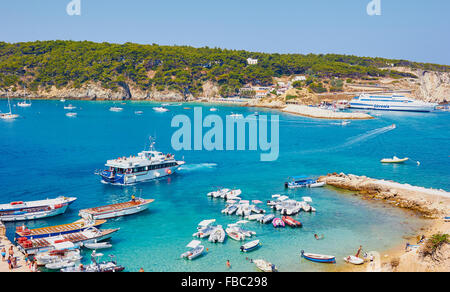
(430, 203)
(21, 267)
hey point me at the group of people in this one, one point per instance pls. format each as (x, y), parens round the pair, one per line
(12, 260)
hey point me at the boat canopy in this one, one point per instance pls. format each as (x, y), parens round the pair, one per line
(206, 223)
(194, 243)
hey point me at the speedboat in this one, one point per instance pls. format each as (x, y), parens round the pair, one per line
(291, 221)
(318, 258)
(256, 217)
(115, 109)
(218, 193)
(265, 266)
(217, 235)
(60, 264)
(257, 210)
(267, 219)
(138, 113)
(97, 245)
(232, 209)
(250, 246)
(277, 222)
(71, 115)
(395, 159)
(160, 109)
(64, 251)
(354, 260)
(69, 107)
(231, 194)
(196, 250)
(96, 266)
(234, 234)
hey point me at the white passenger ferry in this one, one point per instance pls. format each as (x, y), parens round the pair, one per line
(390, 103)
(147, 165)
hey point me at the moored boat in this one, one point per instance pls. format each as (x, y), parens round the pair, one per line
(302, 182)
(354, 260)
(265, 266)
(64, 251)
(234, 234)
(318, 258)
(97, 245)
(110, 266)
(116, 210)
(69, 107)
(196, 250)
(291, 221)
(218, 235)
(77, 226)
(277, 222)
(115, 109)
(36, 245)
(249, 246)
(21, 211)
(267, 219)
(160, 109)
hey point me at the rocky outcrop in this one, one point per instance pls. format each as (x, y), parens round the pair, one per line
(430, 203)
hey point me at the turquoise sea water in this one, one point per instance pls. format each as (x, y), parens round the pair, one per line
(46, 154)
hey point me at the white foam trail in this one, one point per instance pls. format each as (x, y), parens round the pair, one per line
(199, 166)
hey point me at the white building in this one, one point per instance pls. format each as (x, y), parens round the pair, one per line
(299, 78)
(251, 61)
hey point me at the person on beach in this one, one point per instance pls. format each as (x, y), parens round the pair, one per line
(26, 258)
(228, 264)
(10, 263)
(359, 251)
(3, 254)
(11, 251)
(317, 237)
(34, 266)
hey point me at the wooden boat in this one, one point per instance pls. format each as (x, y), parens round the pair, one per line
(116, 210)
(395, 159)
(265, 266)
(291, 221)
(250, 246)
(354, 260)
(36, 245)
(318, 258)
(21, 211)
(50, 231)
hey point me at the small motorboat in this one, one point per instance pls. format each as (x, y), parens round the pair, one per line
(69, 107)
(218, 235)
(115, 109)
(160, 109)
(291, 221)
(64, 251)
(302, 182)
(317, 185)
(345, 123)
(218, 193)
(277, 222)
(71, 115)
(318, 258)
(24, 104)
(231, 194)
(354, 260)
(232, 209)
(58, 265)
(265, 266)
(138, 113)
(62, 100)
(252, 245)
(267, 219)
(256, 217)
(234, 234)
(307, 199)
(306, 207)
(213, 109)
(96, 266)
(395, 159)
(196, 250)
(97, 245)
(257, 210)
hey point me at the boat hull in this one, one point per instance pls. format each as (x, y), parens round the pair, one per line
(391, 107)
(34, 215)
(116, 213)
(134, 178)
(318, 258)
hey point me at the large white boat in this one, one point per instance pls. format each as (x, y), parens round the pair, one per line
(390, 103)
(9, 115)
(147, 165)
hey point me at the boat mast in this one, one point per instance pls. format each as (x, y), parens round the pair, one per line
(9, 104)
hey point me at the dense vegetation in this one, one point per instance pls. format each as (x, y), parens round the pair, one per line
(181, 68)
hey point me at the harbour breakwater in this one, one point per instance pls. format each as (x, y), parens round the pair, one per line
(430, 203)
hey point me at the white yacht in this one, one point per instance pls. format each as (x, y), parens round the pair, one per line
(147, 165)
(390, 103)
(10, 115)
(24, 103)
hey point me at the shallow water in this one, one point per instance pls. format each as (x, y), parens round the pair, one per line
(46, 154)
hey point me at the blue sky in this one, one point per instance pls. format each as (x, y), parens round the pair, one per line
(416, 30)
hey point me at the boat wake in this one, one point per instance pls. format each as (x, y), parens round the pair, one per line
(355, 140)
(196, 167)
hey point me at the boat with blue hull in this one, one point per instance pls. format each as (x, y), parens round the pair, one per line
(147, 165)
(318, 258)
(390, 103)
(295, 182)
(31, 210)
